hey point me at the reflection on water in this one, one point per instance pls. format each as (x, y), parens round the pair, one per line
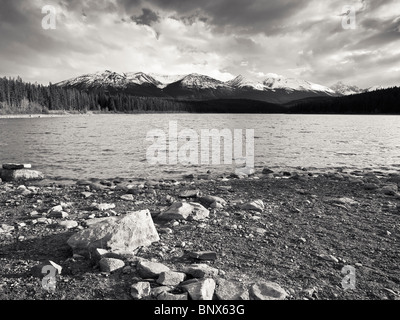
(109, 146)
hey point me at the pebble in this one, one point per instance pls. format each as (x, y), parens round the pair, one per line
(69, 224)
(127, 197)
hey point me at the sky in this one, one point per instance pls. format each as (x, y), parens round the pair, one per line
(356, 42)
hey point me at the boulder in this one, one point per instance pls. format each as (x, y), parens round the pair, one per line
(16, 166)
(267, 291)
(184, 211)
(140, 290)
(231, 290)
(149, 269)
(201, 290)
(256, 205)
(201, 271)
(171, 278)
(121, 235)
(110, 264)
(21, 175)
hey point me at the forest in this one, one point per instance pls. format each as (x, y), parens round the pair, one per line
(18, 97)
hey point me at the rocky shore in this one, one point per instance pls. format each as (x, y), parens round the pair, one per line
(270, 235)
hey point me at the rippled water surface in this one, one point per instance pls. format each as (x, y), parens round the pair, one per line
(110, 146)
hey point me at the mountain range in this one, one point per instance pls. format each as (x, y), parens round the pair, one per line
(272, 89)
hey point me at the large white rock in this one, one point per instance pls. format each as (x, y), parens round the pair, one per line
(184, 210)
(21, 175)
(201, 290)
(122, 235)
(267, 291)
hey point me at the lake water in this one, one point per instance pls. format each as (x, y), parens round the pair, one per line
(111, 146)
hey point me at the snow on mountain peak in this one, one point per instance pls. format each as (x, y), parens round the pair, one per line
(195, 80)
(292, 84)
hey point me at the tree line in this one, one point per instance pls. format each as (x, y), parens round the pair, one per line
(17, 96)
(385, 101)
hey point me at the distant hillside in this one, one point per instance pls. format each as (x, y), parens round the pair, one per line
(385, 101)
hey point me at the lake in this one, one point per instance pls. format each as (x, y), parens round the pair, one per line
(111, 146)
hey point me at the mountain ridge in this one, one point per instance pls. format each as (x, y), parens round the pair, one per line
(199, 87)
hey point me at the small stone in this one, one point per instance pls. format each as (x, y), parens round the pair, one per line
(86, 194)
(4, 228)
(267, 171)
(103, 206)
(184, 210)
(171, 278)
(110, 264)
(69, 224)
(58, 215)
(329, 258)
(155, 292)
(371, 186)
(390, 190)
(140, 290)
(267, 291)
(203, 255)
(148, 269)
(190, 194)
(56, 209)
(127, 197)
(257, 205)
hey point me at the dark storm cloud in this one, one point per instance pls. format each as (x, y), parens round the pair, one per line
(231, 15)
(147, 18)
(289, 37)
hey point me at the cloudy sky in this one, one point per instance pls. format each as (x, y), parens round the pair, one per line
(220, 38)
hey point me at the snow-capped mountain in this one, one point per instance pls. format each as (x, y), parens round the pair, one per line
(140, 78)
(276, 89)
(97, 80)
(198, 81)
(346, 90)
(241, 82)
(275, 82)
(291, 84)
